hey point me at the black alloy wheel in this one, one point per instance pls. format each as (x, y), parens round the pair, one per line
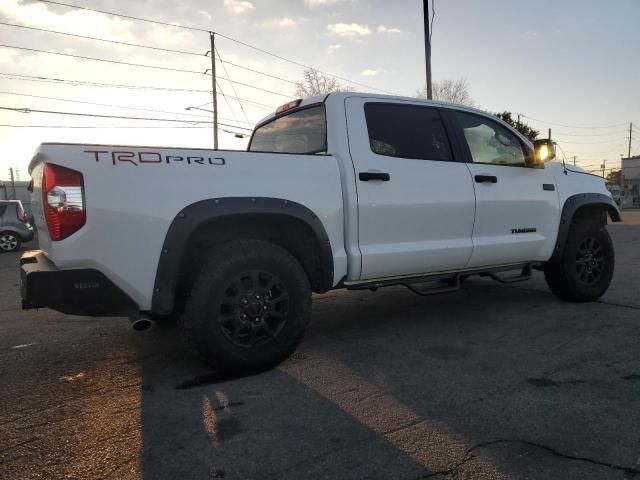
(254, 308)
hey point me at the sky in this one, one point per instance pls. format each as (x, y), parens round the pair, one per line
(571, 66)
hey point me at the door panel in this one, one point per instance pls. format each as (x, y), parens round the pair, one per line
(415, 214)
(516, 218)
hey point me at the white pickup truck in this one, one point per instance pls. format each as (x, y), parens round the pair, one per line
(345, 190)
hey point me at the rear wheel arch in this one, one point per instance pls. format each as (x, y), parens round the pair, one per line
(203, 225)
(594, 206)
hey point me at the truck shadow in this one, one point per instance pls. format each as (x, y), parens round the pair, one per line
(385, 383)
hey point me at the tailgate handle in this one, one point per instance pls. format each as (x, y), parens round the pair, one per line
(486, 178)
(366, 176)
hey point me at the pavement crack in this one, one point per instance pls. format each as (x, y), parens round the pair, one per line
(557, 453)
(622, 305)
(548, 382)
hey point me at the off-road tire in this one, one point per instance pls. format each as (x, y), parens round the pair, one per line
(15, 242)
(568, 278)
(227, 271)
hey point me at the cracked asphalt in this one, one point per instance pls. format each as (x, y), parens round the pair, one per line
(491, 382)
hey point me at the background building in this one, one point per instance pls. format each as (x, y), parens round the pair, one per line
(631, 182)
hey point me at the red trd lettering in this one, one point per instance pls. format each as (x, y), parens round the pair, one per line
(123, 157)
(155, 157)
(96, 153)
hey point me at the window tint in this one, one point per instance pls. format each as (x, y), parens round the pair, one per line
(406, 131)
(3, 208)
(304, 131)
(490, 142)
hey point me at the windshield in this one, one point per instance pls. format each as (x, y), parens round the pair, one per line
(302, 131)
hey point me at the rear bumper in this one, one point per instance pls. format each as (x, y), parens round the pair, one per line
(81, 291)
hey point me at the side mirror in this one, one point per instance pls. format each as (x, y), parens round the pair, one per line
(543, 151)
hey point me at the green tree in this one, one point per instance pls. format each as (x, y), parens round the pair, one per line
(614, 177)
(522, 127)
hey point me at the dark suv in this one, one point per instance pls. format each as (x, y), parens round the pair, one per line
(14, 228)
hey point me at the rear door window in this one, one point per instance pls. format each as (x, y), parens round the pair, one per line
(406, 131)
(302, 131)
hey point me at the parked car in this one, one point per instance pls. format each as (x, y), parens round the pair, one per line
(347, 190)
(14, 227)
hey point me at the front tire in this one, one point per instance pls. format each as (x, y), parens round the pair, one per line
(249, 307)
(9, 242)
(585, 270)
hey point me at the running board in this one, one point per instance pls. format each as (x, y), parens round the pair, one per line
(524, 275)
(454, 286)
(453, 279)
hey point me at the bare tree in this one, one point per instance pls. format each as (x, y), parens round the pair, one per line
(316, 83)
(454, 91)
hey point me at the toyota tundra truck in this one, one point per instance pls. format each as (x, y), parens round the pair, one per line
(346, 190)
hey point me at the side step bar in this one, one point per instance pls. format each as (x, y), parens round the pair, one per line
(453, 280)
(524, 275)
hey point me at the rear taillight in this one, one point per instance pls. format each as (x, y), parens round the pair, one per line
(63, 200)
(20, 212)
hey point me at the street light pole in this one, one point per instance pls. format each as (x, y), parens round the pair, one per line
(214, 89)
(427, 46)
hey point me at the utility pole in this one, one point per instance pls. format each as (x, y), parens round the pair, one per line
(630, 132)
(427, 47)
(549, 134)
(212, 37)
(604, 163)
(13, 183)
(574, 159)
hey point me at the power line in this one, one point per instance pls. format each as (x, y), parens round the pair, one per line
(125, 16)
(126, 86)
(255, 71)
(100, 104)
(103, 39)
(100, 127)
(239, 42)
(95, 59)
(180, 70)
(78, 114)
(232, 85)
(138, 45)
(572, 126)
(109, 105)
(589, 143)
(564, 134)
(228, 104)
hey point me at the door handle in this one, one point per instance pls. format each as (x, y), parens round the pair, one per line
(366, 176)
(486, 178)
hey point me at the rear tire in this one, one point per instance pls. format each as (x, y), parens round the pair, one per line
(9, 242)
(248, 308)
(585, 270)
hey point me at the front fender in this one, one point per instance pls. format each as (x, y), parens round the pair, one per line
(575, 203)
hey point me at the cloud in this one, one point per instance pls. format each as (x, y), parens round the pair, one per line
(320, 3)
(285, 22)
(368, 72)
(238, 6)
(349, 29)
(205, 14)
(390, 31)
(334, 47)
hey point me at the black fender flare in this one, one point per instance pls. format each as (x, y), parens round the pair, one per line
(571, 206)
(193, 216)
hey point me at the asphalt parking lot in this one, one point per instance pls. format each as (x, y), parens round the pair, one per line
(490, 382)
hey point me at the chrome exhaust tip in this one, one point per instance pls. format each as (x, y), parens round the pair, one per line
(140, 324)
